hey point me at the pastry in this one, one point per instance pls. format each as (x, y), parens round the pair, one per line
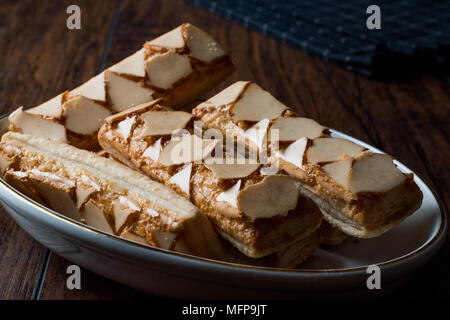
(331, 236)
(258, 214)
(177, 67)
(290, 257)
(106, 195)
(361, 193)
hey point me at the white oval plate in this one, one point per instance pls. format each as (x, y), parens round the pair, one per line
(336, 272)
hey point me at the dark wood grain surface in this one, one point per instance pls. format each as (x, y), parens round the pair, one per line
(410, 119)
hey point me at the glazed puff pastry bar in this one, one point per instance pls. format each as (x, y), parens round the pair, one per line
(259, 214)
(106, 195)
(362, 193)
(178, 67)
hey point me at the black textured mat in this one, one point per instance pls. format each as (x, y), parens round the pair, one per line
(413, 33)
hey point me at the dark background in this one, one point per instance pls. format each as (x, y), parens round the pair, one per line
(40, 57)
(414, 35)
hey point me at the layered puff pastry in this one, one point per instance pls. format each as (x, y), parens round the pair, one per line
(258, 214)
(106, 195)
(291, 256)
(361, 193)
(178, 67)
(115, 199)
(330, 235)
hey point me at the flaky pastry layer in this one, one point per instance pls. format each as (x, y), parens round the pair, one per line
(106, 195)
(177, 67)
(254, 238)
(304, 149)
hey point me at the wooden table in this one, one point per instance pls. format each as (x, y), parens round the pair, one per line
(40, 57)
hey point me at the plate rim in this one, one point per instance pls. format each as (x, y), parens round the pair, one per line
(437, 239)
